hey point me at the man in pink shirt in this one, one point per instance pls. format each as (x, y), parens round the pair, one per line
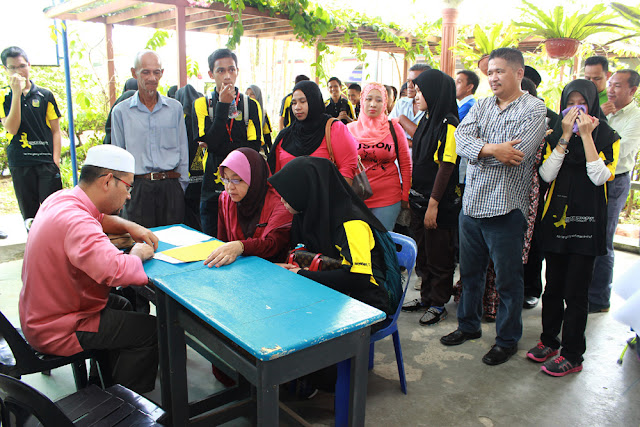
(70, 267)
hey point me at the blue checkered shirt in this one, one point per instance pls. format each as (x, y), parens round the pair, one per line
(493, 188)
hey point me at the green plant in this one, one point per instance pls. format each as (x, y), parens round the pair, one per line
(311, 23)
(557, 24)
(632, 15)
(486, 41)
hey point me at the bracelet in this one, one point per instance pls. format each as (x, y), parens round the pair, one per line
(241, 244)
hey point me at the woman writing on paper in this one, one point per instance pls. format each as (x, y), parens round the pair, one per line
(251, 217)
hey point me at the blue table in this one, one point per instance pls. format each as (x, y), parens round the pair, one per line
(268, 324)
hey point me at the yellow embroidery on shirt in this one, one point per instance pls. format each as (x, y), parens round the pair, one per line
(197, 164)
(24, 140)
(217, 176)
(562, 222)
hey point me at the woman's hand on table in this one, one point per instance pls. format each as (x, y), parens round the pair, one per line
(291, 267)
(225, 254)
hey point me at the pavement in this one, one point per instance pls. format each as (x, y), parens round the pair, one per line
(447, 386)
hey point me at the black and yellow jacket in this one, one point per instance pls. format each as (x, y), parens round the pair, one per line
(223, 135)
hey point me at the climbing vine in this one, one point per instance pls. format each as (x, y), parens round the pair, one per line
(311, 23)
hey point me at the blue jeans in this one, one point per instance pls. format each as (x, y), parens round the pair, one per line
(600, 289)
(499, 238)
(387, 215)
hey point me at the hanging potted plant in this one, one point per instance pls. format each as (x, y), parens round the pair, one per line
(486, 42)
(563, 33)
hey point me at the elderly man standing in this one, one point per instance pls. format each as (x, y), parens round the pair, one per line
(499, 136)
(70, 266)
(624, 117)
(151, 127)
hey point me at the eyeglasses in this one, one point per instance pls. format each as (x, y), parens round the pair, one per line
(19, 67)
(226, 181)
(129, 186)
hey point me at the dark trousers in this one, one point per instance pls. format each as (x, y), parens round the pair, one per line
(33, 184)
(568, 277)
(132, 342)
(192, 206)
(533, 267)
(499, 238)
(209, 216)
(600, 289)
(155, 203)
(435, 262)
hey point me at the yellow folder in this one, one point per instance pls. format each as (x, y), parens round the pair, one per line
(198, 252)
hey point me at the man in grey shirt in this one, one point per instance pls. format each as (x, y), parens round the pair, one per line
(151, 127)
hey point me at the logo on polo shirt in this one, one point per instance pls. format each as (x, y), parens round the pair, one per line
(35, 103)
(24, 140)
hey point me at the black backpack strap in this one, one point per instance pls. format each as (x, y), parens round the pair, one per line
(394, 136)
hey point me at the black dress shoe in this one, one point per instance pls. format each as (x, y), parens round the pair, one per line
(530, 302)
(498, 355)
(458, 337)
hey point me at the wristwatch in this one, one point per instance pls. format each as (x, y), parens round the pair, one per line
(563, 142)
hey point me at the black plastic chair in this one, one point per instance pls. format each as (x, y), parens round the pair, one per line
(18, 358)
(21, 404)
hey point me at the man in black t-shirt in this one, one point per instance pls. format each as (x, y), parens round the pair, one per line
(30, 115)
(337, 106)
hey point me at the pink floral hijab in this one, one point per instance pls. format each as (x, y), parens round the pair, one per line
(369, 130)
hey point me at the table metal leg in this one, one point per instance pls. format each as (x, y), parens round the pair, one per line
(161, 316)
(177, 364)
(267, 398)
(359, 374)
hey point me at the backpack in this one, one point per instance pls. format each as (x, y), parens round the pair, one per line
(393, 277)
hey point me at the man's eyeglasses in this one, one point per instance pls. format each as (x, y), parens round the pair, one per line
(19, 67)
(129, 186)
(226, 181)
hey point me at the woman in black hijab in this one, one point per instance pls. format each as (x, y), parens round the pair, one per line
(573, 224)
(329, 218)
(306, 136)
(435, 197)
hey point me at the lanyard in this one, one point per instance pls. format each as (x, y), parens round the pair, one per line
(229, 128)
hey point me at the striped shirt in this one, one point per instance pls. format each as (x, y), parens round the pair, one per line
(493, 188)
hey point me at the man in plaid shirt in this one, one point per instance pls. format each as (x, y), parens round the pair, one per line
(499, 136)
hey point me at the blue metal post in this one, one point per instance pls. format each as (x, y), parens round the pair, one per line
(67, 77)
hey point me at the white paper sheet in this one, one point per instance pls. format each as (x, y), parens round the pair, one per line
(167, 258)
(179, 236)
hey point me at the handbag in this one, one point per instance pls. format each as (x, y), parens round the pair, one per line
(312, 261)
(360, 184)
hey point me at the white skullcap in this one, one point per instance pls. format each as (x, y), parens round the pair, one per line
(111, 157)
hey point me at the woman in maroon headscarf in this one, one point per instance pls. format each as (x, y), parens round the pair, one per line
(251, 217)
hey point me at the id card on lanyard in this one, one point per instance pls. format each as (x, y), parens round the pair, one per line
(230, 127)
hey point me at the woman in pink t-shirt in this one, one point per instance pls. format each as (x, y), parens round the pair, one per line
(379, 150)
(306, 136)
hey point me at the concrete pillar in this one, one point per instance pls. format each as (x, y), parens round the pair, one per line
(111, 69)
(181, 31)
(449, 35)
